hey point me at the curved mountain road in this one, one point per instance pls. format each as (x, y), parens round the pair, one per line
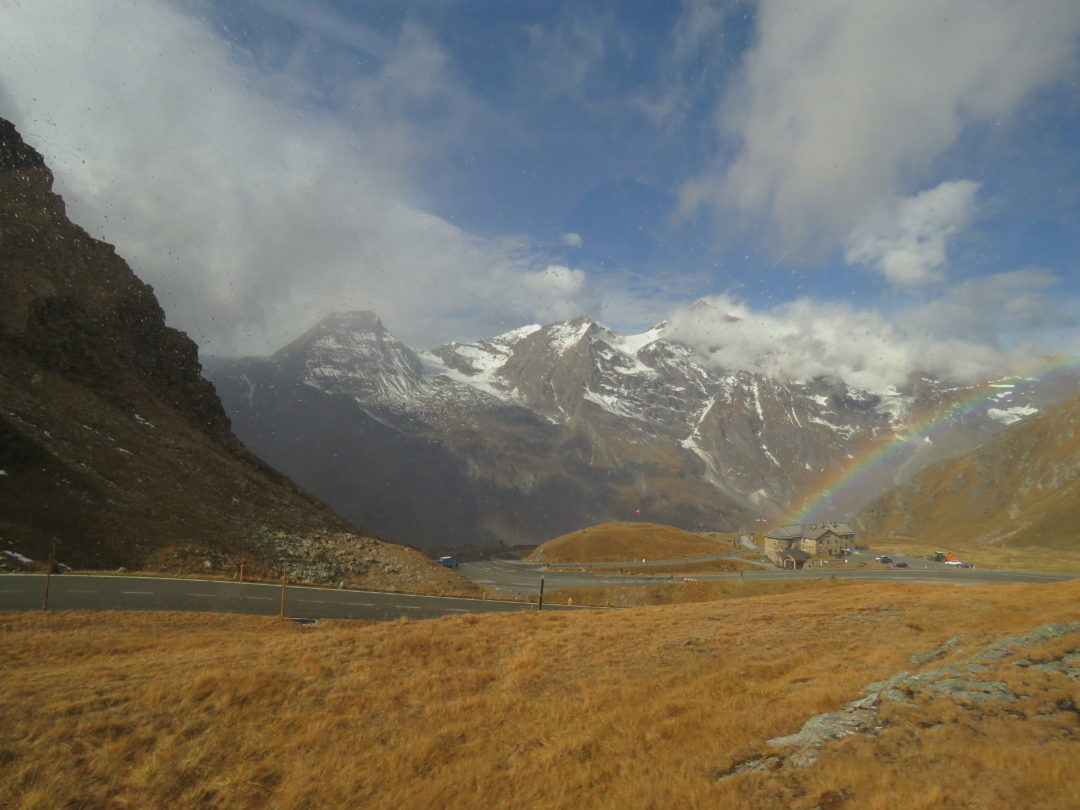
(90, 592)
(517, 577)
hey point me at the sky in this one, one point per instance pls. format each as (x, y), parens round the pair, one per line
(842, 187)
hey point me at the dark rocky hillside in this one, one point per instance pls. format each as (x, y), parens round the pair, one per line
(113, 445)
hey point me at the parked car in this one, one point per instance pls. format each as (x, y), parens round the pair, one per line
(884, 560)
(957, 562)
(900, 565)
(449, 562)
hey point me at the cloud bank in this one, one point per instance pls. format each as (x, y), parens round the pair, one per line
(233, 188)
(843, 106)
(951, 337)
(908, 244)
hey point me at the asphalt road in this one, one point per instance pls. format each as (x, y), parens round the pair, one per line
(84, 592)
(517, 577)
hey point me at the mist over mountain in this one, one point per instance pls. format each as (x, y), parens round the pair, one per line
(114, 447)
(527, 435)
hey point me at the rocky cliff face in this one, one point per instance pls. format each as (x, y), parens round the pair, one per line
(113, 445)
(545, 429)
(76, 308)
(1021, 488)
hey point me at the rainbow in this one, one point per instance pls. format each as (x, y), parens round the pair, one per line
(859, 468)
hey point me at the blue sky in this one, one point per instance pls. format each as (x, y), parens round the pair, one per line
(910, 166)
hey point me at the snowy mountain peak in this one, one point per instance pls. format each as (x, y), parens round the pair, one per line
(353, 353)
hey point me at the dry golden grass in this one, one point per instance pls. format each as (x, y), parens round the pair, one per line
(642, 708)
(724, 565)
(629, 541)
(677, 593)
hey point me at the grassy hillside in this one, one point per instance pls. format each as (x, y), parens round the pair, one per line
(1020, 489)
(628, 541)
(663, 707)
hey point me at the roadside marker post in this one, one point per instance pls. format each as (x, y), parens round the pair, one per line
(540, 604)
(281, 607)
(48, 576)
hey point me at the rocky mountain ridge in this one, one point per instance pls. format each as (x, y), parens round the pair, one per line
(545, 429)
(114, 447)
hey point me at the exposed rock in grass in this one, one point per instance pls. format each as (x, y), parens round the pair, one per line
(953, 681)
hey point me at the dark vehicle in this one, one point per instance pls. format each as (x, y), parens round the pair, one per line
(900, 565)
(449, 562)
(884, 560)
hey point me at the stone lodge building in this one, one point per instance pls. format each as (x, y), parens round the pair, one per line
(810, 538)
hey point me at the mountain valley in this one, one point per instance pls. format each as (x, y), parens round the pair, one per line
(528, 435)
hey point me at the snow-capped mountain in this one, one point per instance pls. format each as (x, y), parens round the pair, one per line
(541, 430)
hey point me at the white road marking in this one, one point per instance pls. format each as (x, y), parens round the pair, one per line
(457, 610)
(73, 590)
(409, 607)
(313, 601)
(138, 593)
(261, 598)
(203, 594)
(361, 604)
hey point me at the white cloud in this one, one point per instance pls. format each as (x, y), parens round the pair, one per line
(555, 280)
(250, 207)
(980, 327)
(571, 239)
(557, 293)
(843, 105)
(908, 243)
(1006, 309)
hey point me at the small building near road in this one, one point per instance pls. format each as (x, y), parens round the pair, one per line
(794, 559)
(809, 538)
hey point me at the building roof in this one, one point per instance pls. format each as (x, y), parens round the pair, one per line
(811, 531)
(796, 554)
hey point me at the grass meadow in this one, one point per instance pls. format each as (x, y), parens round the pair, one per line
(649, 707)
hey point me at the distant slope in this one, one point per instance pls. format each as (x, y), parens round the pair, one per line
(1022, 488)
(618, 542)
(112, 444)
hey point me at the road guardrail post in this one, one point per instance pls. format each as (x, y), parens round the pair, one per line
(48, 576)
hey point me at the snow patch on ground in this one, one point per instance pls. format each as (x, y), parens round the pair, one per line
(1009, 415)
(757, 400)
(483, 380)
(894, 405)
(514, 335)
(564, 336)
(632, 344)
(611, 404)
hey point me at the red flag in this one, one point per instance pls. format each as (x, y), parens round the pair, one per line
(637, 511)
